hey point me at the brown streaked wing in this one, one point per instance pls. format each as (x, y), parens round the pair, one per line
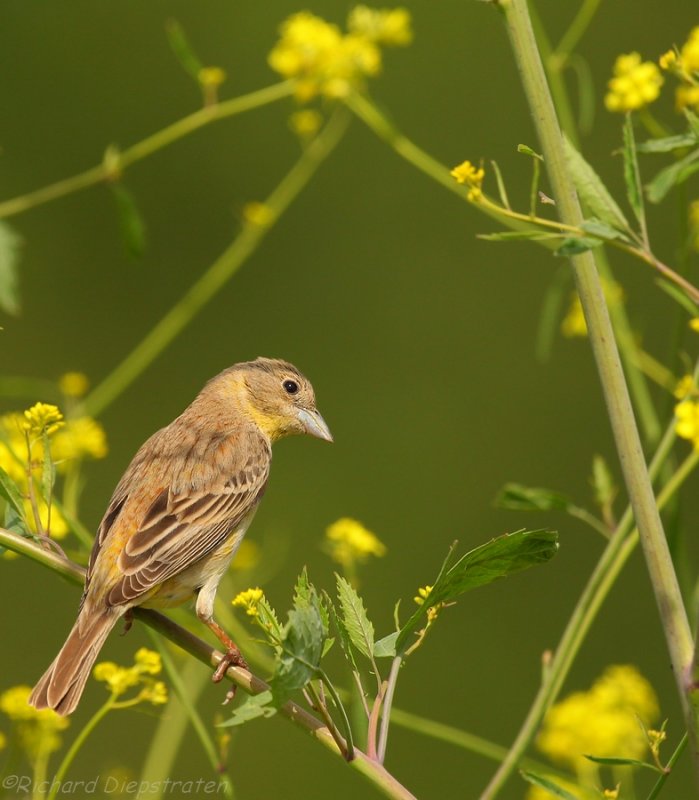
(169, 541)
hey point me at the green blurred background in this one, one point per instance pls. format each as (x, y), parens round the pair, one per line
(419, 339)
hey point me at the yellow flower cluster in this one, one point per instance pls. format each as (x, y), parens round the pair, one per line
(42, 418)
(249, 600)
(604, 721)
(325, 61)
(687, 420)
(466, 173)
(684, 64)
(635, 84)
(37, 732)
(349, 542)
(120, 679)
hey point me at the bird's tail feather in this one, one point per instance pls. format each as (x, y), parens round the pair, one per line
(61, 686)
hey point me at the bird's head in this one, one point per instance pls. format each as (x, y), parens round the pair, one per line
(278, 398)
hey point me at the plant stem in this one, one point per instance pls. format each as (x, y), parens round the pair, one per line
(77, 744)
(655, 791)
(228, 263)
(601, 336)
(178, 130)
(387, 705)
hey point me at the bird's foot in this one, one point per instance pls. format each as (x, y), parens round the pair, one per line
(232, 658)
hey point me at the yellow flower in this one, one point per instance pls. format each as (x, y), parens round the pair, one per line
(257, 214)
(383, 26)
(42, 417)
(211, 77)
(37, 731)
(74, 384)
(689, 55)
(249, 600)
(422, 594)
(466, 173)
(118, 679)
(604, 721)
(668, 60)
(350, 542)
(687, 421)
(686, 96)
(147, 661)
(13, 447)
(306, 123)
(154, 693)
(80, 438)
(325, 61)
(635, 84)
(53, 523)
(685, 387)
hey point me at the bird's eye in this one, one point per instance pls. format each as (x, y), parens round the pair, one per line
(291, 387)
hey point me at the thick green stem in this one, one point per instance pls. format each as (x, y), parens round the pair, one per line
(657, 554)
(230, 261)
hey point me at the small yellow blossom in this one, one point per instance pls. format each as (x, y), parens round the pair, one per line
(685, 387)
(466, 173)
(249, 600)
(694, 324)
(154, 693)
(611, 794)
(74, 384)
(635, 84)
(689, 54)
(81, 438)
(687, 96)
(574, 324)
(383, 26)
(422, 594)
(42, 417)
(604, 721)
(687, 421)
(668, 60)
(350, 542)
(306, 123)
(655, 739)
(118, 679)
(211, 77)
(257, 214)
(147, 661)
(37, 731)
(13, 447)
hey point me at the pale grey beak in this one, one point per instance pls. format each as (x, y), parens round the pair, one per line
(314, 424)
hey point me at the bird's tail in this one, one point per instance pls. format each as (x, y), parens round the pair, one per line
(61, 686)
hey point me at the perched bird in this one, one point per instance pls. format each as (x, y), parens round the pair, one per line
(180, 511)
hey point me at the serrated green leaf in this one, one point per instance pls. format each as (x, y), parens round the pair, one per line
(668, 143)
(302, 648)
(386, 647)
(524, 148)
(516, 497)
(14, 522)
(345, 641)
(548, 785)
(10, 492)
(601, 230)
(182, 48)
(632, 175)
(306, 596)
(574, 245)
(495, 559)
(354, 616)
(592, 191)
(253, 707)
(10, 244)
(510, 236)
(671, 176)
(131, 225)
(623, 762)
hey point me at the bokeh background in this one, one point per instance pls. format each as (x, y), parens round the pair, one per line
(419, 338)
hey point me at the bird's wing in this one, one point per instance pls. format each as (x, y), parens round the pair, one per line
(179, 527)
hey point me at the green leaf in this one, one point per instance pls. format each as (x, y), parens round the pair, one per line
(524, 148)
(516, 497)
(508, 236)
(253, 707)
(592, 191)
(601, 230)
(48, 471)
(673, 175)
(182, 49)
(306, 596)
(15, 523)
(131, 225)
(574, 245)
(386, 647)
(495, 559)
(679, 296)
(548, 785)
(668, 143)
(632, 175)
(693, 121)
(354, 616)
(623, 762)
(345, 641)
(10, 492)
(302, 648)
(502, 191)
(10, 244)
(603, 483)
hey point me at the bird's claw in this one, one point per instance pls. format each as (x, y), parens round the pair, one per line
(232, 658)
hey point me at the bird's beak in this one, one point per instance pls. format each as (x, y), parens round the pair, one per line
(314, 424)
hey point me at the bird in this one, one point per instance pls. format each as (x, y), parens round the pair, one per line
(180, 511)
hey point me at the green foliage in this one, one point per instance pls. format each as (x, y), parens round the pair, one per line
(131, 224)
(545, 783)
(10, 244)
(354, 618)
(516, 497)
